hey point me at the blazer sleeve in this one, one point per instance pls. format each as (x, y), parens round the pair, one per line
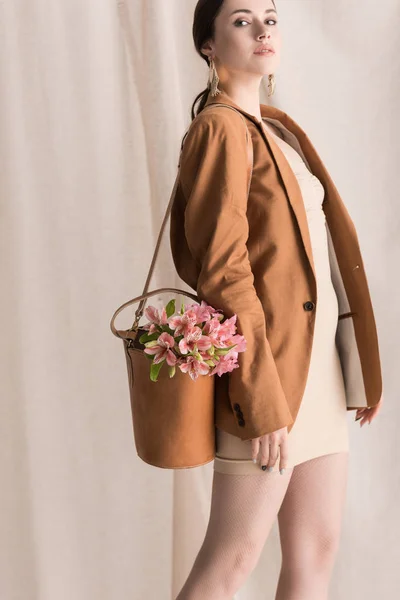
(214, 182)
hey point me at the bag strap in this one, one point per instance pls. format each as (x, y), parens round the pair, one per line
(146, 294)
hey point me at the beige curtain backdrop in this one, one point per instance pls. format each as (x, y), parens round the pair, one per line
(94, 99)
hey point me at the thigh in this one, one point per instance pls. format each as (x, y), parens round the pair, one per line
(310, 515)
(244, 507)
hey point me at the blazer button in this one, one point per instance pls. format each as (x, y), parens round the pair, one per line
(236, 407)
(308, 305)
(241, 422)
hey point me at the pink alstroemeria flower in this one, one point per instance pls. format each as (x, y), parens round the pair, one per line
(194, 367)
(226, 364)
(162, 350)
(222, 334)
(227, 328)
(239, 340)
(182, 324)
(194, 338)
(155, 318)
(204, 311)
(211, 329)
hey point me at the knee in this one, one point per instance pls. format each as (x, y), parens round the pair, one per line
(326, 547)
(311, 555)
(322, 552)
(246, 558)
(242, 562)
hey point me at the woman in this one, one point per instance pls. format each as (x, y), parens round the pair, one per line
(282, 255)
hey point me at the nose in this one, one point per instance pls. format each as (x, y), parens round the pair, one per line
(266, 33)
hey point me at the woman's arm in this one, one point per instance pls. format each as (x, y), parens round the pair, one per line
(214, 181)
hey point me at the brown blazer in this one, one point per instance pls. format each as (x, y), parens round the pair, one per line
(252, 256)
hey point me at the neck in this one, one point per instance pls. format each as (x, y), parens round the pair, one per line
(246, 96)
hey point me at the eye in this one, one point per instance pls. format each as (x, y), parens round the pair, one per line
(238, 21)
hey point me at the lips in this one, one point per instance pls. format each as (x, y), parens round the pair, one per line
(263, 48)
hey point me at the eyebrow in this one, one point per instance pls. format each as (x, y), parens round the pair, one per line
(246, 10)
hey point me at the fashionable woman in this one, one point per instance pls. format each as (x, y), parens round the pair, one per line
(282, 254)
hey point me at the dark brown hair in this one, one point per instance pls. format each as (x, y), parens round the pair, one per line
(205, 13)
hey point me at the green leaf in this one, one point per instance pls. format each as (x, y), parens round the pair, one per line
(155, 369)
(148, 337)
(223, 351)
(170, 308)
(168, 330)
(171, 370)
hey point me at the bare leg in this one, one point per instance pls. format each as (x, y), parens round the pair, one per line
(243, 510)
(309, 526)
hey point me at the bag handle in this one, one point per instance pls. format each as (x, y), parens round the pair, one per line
(145, 294)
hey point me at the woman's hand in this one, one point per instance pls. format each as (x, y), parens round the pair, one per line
(269, 445)
(368, 413)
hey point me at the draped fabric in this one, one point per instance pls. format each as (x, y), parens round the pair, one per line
(94, 100)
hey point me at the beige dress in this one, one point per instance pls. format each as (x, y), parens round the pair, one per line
(321, 425)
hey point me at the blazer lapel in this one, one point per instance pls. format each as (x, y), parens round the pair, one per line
(337, 216)
(293, 192)
(288, 177)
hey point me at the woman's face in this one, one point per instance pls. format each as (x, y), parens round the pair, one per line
(238, 35)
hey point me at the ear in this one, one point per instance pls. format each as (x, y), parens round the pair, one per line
(207, 49)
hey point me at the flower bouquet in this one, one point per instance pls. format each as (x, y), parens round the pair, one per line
(198, 341)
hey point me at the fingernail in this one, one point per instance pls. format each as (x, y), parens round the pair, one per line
(264, 467)
(281, 471)
(358, 418)
(254, 460)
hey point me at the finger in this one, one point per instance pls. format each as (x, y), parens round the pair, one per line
(284, 455)
(255, 448)
(360, 413)
(264, 454)
(273, 452)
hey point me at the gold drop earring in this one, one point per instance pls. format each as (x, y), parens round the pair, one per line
(271, 84)
(213, 78)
